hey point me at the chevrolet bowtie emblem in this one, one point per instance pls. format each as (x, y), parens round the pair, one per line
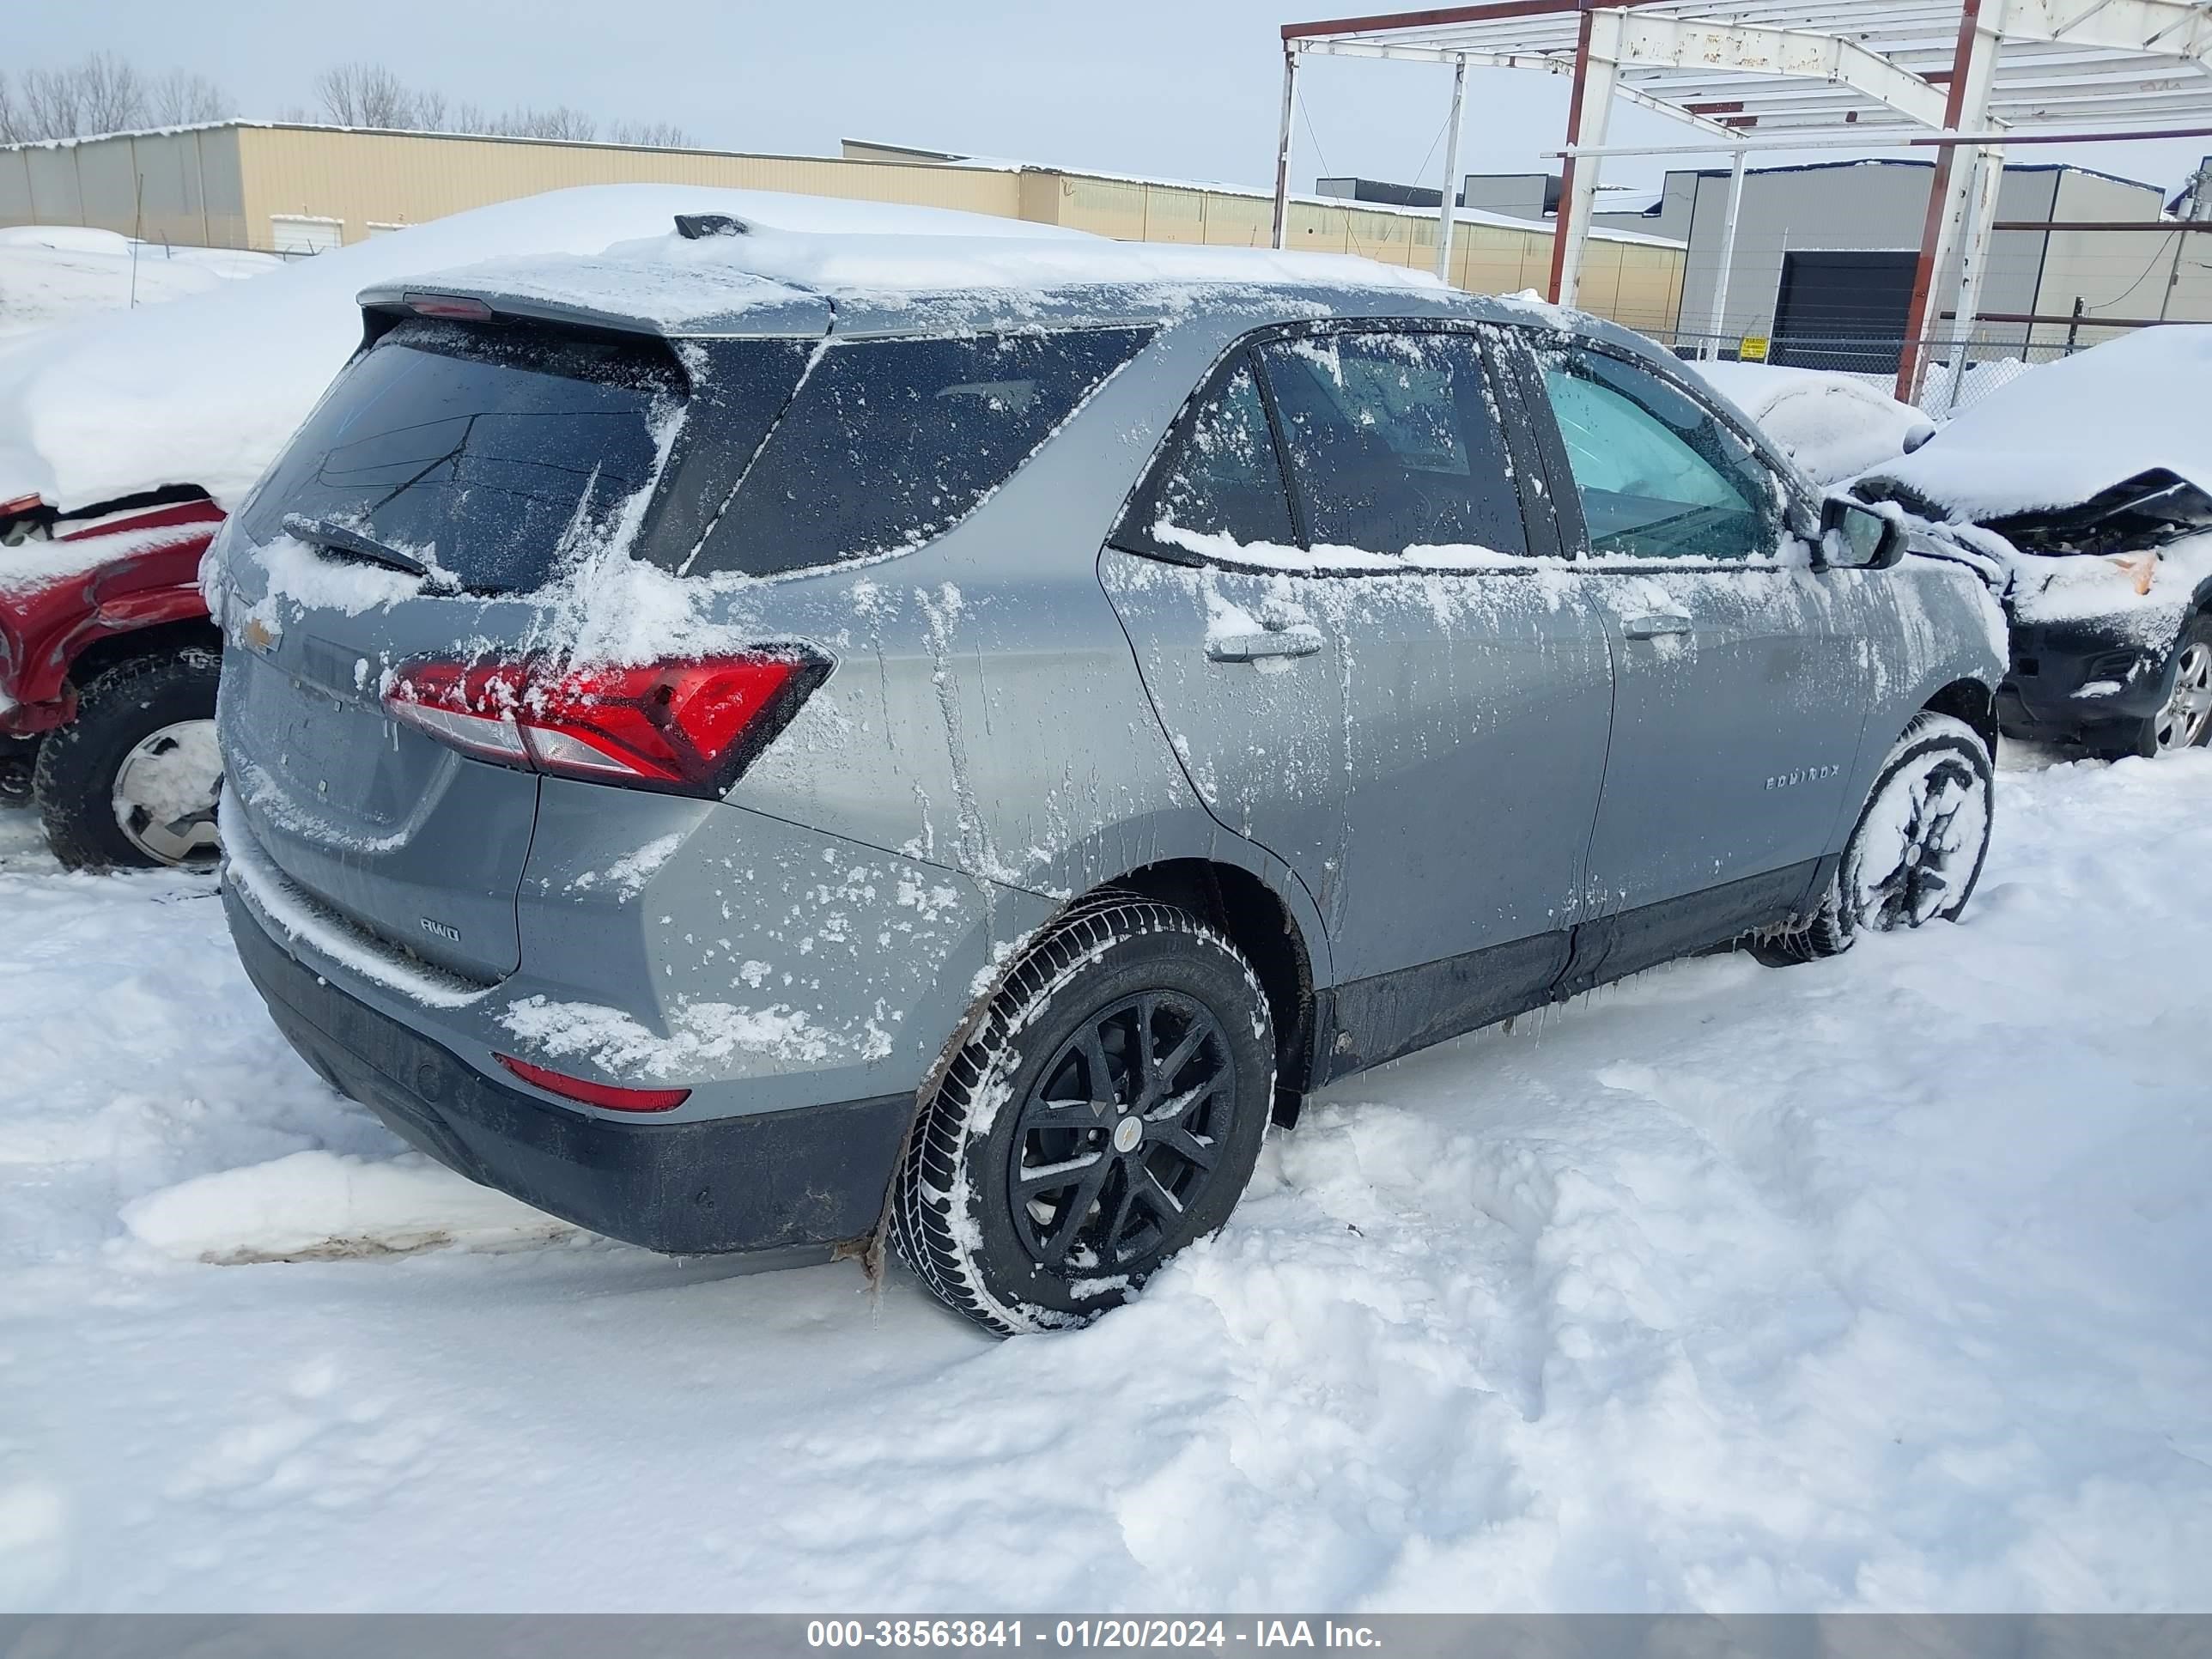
(257, 635)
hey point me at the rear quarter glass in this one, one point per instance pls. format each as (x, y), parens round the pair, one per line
(890, 443)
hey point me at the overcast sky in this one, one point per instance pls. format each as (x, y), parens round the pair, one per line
(1182, 88)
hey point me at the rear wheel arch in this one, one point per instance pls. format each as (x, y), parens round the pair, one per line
(1257, 920)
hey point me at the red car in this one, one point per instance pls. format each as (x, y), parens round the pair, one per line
(107, 676)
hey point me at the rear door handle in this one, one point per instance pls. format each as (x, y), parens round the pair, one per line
(1650, 627)
(1298, 640)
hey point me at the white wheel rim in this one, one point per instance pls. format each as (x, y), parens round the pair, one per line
(165, 793)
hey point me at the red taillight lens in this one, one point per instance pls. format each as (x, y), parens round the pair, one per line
(689, 725)
(596, 1094)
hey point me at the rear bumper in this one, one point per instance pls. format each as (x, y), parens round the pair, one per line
(762, 1181)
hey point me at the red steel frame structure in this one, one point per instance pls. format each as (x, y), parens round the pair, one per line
(1957, 75)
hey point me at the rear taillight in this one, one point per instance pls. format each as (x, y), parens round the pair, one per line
(595, 1094)
(690, 725)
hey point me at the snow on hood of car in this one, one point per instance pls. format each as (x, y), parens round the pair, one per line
(1834, 425)
(2069, 430)
(205, 390)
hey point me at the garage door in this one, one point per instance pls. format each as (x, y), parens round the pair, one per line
(1844, 310)
(300, 233)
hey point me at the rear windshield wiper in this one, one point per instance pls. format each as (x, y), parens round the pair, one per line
(337, 539)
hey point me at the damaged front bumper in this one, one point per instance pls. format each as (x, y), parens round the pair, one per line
(2080, 681)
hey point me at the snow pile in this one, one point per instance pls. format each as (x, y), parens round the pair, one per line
(1876, 1284)
(322, 1205)
(1833, 426)
(2068, 430)
(206, 390)
(52, 274)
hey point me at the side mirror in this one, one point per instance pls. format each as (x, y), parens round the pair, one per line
(1856, 537)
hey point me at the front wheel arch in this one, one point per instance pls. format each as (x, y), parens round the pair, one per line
(1972, 701)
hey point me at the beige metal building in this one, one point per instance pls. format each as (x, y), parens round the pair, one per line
(293, 188)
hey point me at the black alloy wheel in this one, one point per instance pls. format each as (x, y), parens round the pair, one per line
(1118, 1140)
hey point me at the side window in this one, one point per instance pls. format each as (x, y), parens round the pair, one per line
(1659, 476)
(1395, 441)
(1223, 482)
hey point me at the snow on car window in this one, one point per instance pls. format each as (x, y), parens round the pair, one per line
(488, 454)
(890, 443)
(1393, 441)
(1224, 482)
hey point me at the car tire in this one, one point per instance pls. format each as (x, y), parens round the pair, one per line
(1044, 1084)
(18, 757)
(150, 719)
(1917, 850)
(2185, 722)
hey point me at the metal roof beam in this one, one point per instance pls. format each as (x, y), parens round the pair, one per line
(1649, 41)
(1520, 60)
(2174, 27)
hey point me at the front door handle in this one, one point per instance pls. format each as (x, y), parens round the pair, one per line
(1650, 627)
(1298, 640)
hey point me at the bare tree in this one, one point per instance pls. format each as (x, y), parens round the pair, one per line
(652, 134)
(105, 92)
(102, 94)
(54, 104)
(114, 95)
(179, 98)
(365, 96)
(559, 122)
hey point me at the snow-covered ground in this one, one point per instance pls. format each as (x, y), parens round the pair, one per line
(53, 274)
(1880, 1283)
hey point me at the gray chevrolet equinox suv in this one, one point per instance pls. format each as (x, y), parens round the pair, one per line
(746, 763)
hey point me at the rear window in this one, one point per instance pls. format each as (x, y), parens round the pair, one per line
(483, 450)
(890, 443)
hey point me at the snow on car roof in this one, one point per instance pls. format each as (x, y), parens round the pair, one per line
(2068, 430)
(204, 391)
(715, 283)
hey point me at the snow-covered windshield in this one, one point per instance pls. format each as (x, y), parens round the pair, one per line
(477, 451)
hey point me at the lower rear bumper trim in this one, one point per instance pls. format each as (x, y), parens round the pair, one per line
(762, 1182)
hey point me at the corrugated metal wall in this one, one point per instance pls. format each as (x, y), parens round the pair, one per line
(393, 177)
(222, 186)
(181, 186)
